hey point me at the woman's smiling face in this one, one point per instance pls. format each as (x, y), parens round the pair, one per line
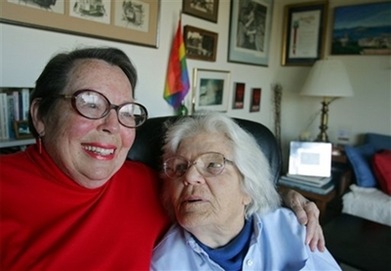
(89, 151)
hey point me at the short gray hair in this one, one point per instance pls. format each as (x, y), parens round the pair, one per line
(247, 156)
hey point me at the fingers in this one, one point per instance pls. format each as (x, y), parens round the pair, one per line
(314, 236)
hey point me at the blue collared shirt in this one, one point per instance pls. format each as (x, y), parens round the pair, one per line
(277, 243)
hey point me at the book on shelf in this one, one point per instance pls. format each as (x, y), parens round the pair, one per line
(322, 190)
(309, 180)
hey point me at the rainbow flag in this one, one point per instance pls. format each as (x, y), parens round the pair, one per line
(177, 80)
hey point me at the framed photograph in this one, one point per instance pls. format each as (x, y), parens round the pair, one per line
(207, 10)
(22, 129)
(310, 158)
(256, 96)
(129, 21)
(303, 33)
(239, 89)
(249, 33)
(200, 44)
(362, 29)
(210, 90)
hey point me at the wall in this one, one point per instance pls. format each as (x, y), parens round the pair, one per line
(25, 51)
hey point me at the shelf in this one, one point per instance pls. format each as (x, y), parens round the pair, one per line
(16, 142)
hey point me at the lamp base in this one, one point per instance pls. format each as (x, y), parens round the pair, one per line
(322, 136)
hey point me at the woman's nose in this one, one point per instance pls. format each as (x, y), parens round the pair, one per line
(193, 176)
(111, 123)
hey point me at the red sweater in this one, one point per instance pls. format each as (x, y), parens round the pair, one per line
(48, 222)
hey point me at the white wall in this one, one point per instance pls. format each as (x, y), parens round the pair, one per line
(25, 51)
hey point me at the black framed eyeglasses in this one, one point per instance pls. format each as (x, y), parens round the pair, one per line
(94, 105)
(208, 164)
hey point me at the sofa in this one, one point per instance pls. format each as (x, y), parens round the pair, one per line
(147, 147)
(369, 195)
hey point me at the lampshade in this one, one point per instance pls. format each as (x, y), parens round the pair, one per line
(328, 78)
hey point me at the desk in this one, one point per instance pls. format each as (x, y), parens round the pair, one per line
(358, 242)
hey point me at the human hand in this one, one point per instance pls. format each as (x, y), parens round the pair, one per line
(307, 214)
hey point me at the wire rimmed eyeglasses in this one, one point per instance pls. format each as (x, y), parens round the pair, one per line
(208, 164)
(92, 104)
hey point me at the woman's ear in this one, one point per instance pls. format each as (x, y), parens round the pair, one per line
(38, 123)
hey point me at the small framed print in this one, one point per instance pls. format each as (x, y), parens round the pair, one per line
(255, 105)
(207, 10)
(200, 44)
(22, 129)
(238, 96)
(210, 90)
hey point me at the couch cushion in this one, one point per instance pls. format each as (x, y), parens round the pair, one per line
(378, 141)
(360, 159)
(381, 162)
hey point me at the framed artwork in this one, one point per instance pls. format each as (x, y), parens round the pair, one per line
(249, 33)
(200, 44)
(207, 10)
(238, 101)
(362, 29)
(255, 105)
(22, 129)
(129, 21)
(210, 90)
(303, 33)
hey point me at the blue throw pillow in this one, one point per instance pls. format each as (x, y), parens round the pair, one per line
(360, 159)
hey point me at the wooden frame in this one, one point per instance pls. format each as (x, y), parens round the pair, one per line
(210, 90)
(249, 34)
(374, 24)
(200, 44)
(304, 33)
(123, 21)
(207, 10)
(239, 91)
(22, 129)
(256, 97)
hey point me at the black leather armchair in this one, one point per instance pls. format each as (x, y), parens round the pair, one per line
(147, 146)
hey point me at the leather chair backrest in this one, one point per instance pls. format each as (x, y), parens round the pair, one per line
(147, 147)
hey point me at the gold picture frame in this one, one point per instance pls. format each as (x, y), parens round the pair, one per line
(207, 10)
(123, 21)
(200, 44)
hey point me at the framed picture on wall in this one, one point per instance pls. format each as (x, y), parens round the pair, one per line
(362, 29)
(303, 33)
(255, 105)
(200, 44)
(210, 90)
(207, 10)
(249, 33)
(238, 101)
(127, 21)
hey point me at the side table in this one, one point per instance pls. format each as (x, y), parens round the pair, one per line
(320, 200)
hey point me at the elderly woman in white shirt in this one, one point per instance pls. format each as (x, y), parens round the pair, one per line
(218, 187)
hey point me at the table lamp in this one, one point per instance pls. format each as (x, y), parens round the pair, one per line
(327, 79)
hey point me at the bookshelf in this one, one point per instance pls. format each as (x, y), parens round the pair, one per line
(14, 110)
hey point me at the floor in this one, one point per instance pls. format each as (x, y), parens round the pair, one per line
(345, 267)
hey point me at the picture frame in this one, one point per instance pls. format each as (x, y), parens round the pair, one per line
(310, 158)
(256, 96)
(239, 91)
(249, 33)
(361, 29)
(122, 21)
(207, 10)
(200, 44)
(210, 90)
(22, 129)
(304, 32)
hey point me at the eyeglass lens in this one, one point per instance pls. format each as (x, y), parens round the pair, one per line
(208, 164)
(94, 105)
